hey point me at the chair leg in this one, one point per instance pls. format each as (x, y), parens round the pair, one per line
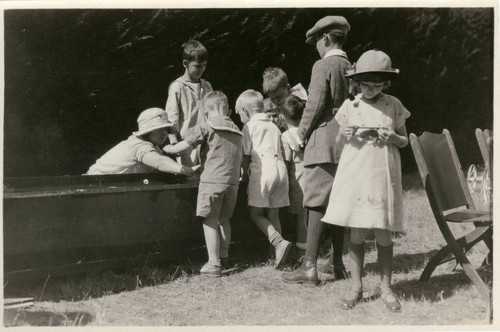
(462, 259)
(466, 242)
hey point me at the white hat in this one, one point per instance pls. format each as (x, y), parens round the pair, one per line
(152, 119)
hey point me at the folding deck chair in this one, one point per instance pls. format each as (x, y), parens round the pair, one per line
(485, 142)
(450, 200)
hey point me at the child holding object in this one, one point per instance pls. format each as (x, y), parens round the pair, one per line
(264, 169)
(185, 95)
(293, 107)
(141, 152)
(221, 152)
(367, 190)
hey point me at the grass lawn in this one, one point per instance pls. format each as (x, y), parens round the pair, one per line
(176, 295)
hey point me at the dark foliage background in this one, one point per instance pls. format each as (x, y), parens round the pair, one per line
(76, 80)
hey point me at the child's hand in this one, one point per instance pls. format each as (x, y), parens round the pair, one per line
(196, 168)
(348, 131)
(386, 135)
(186, 170)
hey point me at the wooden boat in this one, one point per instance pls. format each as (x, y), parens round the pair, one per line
(70, 224)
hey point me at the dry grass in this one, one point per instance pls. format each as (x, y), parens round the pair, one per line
(176, 295)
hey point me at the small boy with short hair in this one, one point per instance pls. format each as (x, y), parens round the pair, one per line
(264, 168)
(275, 85)
(221, 152)
(293, 107)
(185, 95)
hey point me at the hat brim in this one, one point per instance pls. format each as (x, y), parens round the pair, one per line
(146, 131)
(381, 75)
(310, 40)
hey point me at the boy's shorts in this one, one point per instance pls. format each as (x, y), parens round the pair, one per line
(296, 197)
(318, 180)
(278, 198)
(216, 200)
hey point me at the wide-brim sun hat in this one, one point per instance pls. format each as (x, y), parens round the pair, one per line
(150, 120)
(371, 65)
(333, 24)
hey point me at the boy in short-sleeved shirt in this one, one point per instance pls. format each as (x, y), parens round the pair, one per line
(220, 143)
(265, 170)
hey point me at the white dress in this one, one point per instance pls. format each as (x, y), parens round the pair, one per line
(367, 190)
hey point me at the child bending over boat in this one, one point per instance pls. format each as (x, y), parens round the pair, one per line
(220, 143)
(141, 152)
(264, 169)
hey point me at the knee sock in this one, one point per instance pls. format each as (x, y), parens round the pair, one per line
(314, 230)
(337, 238)
(357, 254)
(275, 239)
(384, 255)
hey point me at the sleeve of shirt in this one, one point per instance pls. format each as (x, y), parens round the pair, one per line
(142, 148)
(341, 116)
(247, 141)
(196, 135)
(318, 91)
(401, 114)
(287, 150)
(173, 102)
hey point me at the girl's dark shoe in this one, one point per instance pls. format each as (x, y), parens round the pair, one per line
(306, 274)
(352, 300)
(391, 302)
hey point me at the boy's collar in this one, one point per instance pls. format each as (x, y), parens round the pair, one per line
(260, 117)
(335, 51)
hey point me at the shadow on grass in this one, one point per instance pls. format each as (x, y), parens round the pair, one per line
(404, 263)
(439, 287)
(19, 317)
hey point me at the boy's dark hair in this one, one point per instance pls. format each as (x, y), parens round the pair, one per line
(337, 38)
(293, 107)
(193, 50)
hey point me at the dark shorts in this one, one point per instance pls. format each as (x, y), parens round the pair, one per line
(216, 200)
(318, 181)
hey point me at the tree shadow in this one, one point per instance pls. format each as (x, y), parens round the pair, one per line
(20, 317)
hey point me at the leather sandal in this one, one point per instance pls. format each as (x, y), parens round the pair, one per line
(350, 302)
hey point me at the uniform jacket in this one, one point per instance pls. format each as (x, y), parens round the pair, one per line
(327, 91)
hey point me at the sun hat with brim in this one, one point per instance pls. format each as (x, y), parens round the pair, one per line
(332, 24)
(373, 65)
(150, 120)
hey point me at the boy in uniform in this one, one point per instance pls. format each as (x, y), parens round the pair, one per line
(316, 133)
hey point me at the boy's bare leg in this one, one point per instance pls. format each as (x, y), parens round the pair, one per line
(211, 232)
(282, 246)
(273, 214)
(225, 237)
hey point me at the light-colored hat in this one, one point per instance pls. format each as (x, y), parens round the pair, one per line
(152, 119)
(333, 24)
(373, 63)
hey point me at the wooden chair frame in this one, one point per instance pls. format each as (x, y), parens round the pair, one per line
(451, 201)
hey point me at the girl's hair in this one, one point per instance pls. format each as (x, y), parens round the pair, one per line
(273, 78)
(193, 50)
(216, 100)
(251, 100)
(293, 107)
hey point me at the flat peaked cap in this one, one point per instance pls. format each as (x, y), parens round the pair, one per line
(336, 24)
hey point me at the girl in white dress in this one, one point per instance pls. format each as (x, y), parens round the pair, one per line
(367, 191)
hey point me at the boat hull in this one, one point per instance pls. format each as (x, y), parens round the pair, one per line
(64, 225)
